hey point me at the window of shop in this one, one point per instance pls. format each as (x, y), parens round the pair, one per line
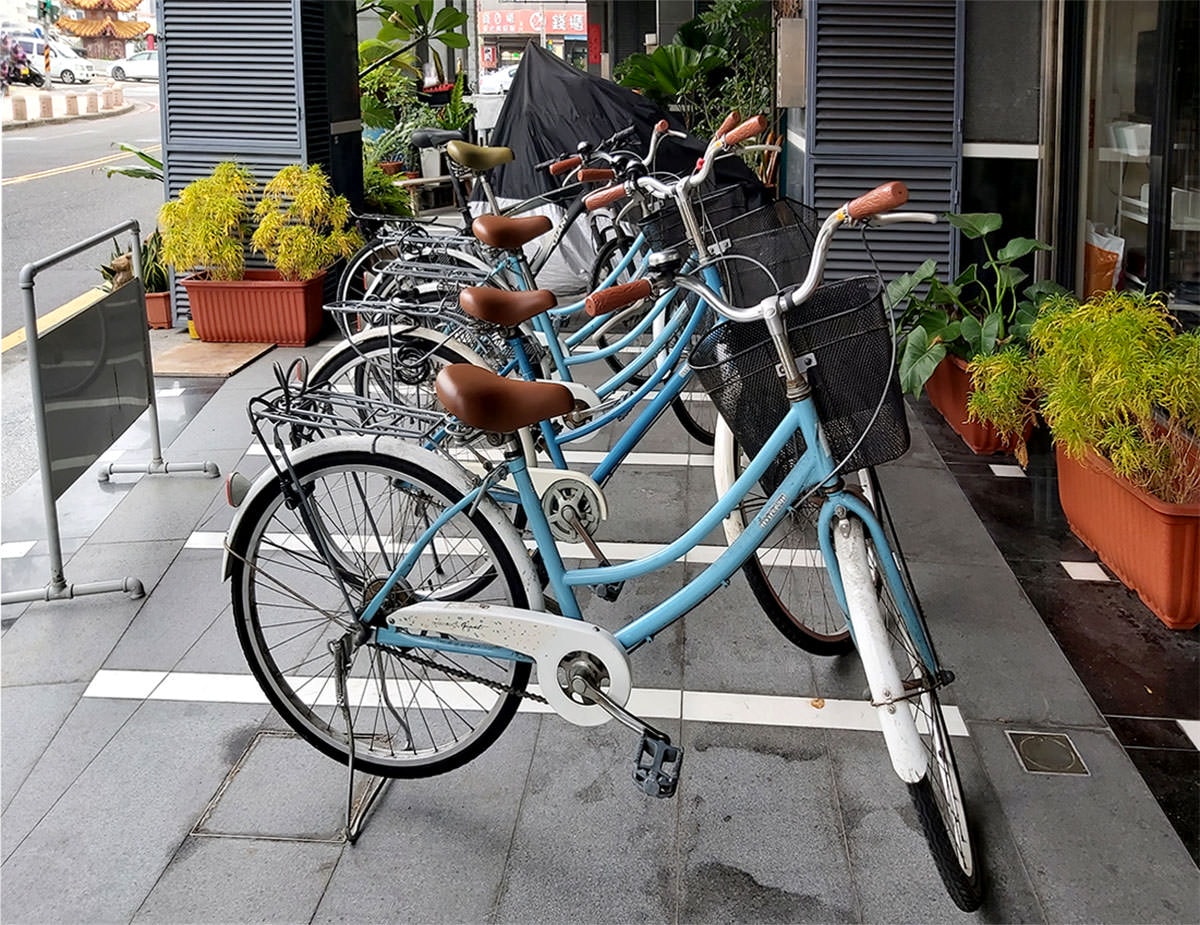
(1141, 170)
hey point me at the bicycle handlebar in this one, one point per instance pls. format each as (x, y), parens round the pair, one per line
(747, 129)
(614, 297)
(596, 175)
(567, 164)
(883, 198)
(604, 197)
(730, 121)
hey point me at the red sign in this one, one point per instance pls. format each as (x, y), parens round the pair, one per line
(488, 55)
(594, 43)
(533, 22)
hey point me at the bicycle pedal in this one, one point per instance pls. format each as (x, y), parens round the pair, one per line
(656, 767)
(609, 591)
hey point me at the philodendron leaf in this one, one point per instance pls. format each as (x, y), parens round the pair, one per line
(454, 40)
(1011, 276)
(990, 331)
(1018, 248)
(900, 289)
(972, 333)
(967, 276)
(975, 224)
(448, 18)
(919, 360)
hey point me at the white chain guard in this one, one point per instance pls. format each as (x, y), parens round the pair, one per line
(548, 638)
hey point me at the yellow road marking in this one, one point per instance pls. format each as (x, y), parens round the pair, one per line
(82, 165)
(50, 319)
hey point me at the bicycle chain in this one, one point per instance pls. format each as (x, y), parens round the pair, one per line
(467, 676)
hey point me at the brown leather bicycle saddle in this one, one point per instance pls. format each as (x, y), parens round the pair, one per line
(499, 306)
(477, 157)
(479, 397)
(509, 234)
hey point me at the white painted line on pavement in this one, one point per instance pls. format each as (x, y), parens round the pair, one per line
(16, 550)
(1191, 728)
(652, 703)
(1086, 571)
(1006, 472)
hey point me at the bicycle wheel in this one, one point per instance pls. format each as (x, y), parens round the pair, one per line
(786, 573)
(695, 411)
(416, 712)
(937, 796)
(394, 366)
(362, 267)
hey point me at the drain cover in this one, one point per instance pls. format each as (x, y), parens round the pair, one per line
(1047, 753)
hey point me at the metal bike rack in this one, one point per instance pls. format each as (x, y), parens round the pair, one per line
(122, 394)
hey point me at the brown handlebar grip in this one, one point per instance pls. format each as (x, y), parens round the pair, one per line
(567, 163)
(609, 300)
(597, 175)
(881, 199)
(747, 129)
(730, 121)
(661, 127)
(604, 197)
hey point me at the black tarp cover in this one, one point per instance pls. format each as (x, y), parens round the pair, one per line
(552, 106)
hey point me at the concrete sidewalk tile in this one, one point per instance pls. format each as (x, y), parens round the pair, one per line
(240, 880)
(894, 872)
(435, 849)
(68, 640)
(78, 737)
(184, 606)
(732, 646)
(104, 844)
(589, 847)
(163, 507)
(934, 521)
(760, 837)
(1097, 847)
(30, 720)
(646, 505)
(1019, 674)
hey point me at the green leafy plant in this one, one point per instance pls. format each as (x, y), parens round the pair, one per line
(718, 62)
(152, 171)
(387, 92)
(206, 228)
(457, 113)
(1112, 375)
(119, 268)
(302, 227)
(981, 311)
(382, 195)
(406, 24)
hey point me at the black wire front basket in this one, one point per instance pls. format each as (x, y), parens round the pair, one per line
(846, 329)
(764, 251)
(664, 226)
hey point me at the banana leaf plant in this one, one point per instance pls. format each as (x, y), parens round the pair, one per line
(672, 75)
(981, 311)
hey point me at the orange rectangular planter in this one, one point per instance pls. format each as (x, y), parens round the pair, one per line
(948, 389)
(262, 308)
(1152, 546)
(158, 310)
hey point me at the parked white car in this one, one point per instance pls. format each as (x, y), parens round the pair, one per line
(498, 81)
(67, 66)
(142, 65)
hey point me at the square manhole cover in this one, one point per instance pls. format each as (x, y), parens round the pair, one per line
(1046, 753)
(281, 788)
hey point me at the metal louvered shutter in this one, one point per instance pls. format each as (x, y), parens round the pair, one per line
(265, 83)
(885, 103)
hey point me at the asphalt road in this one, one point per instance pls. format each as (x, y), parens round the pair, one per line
(53, 196)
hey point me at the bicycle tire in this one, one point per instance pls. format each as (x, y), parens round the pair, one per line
(938, 796)
(410, 719)
(353, 283)
(784, 573)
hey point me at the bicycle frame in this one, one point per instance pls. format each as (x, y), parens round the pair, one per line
(814, 471)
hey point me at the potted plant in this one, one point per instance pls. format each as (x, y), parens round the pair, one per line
(945, 324)
(155, 278)
(301, 230)
(1119, 387)
(390, 149)
(408, 24)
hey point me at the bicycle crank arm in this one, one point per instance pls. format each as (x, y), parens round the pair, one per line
(549, 639)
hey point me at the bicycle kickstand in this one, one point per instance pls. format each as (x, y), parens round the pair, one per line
(355, 817)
